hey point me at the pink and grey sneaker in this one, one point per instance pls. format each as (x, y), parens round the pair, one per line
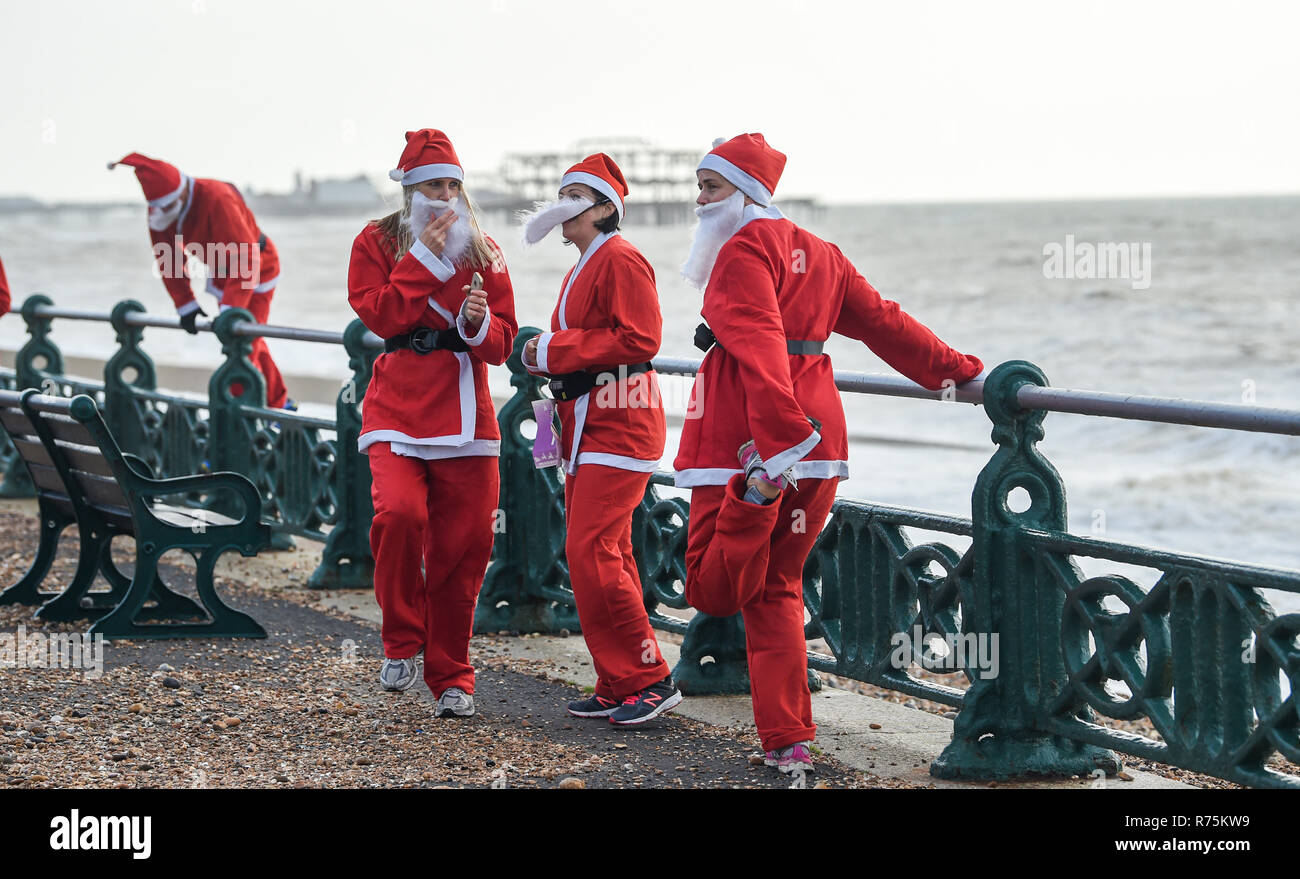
(787, 760)
(752, 463)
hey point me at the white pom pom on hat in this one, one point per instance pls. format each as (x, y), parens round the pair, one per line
(395, 174)
(719, 141)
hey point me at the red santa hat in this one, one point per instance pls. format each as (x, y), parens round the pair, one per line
(749, 163)
(601, 173)
(160, 181)
(428, 156)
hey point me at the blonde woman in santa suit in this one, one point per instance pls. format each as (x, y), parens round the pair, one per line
(605, 329)
(428, 424)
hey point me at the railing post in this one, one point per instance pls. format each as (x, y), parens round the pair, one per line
(713, 660)
(1000, 729)
(346, 562)
(38, 355)
(528, 553)
(235, 383)
(129, 367)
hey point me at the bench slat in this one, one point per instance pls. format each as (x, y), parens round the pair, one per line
(47, 479)
(32, 452)
(16, 422)
(185, 517)
(100, 492)
(87, 458)
(65, 428)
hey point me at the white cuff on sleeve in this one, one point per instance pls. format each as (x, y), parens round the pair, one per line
(477, 338)
(438, 266)
(192, 305)
(785, 460)
(542, 341)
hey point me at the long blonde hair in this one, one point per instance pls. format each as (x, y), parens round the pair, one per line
(396, 230)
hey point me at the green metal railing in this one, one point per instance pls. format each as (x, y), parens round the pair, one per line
(313, 481)
(1200, 655)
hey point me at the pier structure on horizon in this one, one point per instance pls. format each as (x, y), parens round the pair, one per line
(661, 181)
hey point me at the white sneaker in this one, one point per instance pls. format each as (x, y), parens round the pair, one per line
(455, 702)
(398, 674)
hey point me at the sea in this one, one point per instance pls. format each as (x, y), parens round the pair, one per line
(1200, 303)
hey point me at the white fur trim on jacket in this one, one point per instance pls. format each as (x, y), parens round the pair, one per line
(542, 342)
(438, 266)
(462, 326)
(487, 447)
(783, 461)
(700, 476)
(620, 462)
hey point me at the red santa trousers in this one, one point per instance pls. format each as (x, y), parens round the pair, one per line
(746, 558)
(441, 511)
(276, 395)
(598, 506)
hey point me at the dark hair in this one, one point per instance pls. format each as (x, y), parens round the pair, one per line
(608, 224)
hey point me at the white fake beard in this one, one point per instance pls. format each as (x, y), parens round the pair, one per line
(546, 215)
(160, 219)
(717, 223)
(459, 235)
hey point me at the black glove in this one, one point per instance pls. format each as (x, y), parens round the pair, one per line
(188, 321)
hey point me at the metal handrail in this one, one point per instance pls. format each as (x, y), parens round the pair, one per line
(243, 328)
(1166, 410)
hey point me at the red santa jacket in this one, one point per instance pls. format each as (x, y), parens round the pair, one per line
(217, 226)
(5, 300)
(438, 401)
(774, 282)
(608, 316)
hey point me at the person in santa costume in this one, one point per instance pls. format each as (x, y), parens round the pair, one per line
(5, 299)
(435, 288)
(765, 443)
(195, 216)
(605, 329)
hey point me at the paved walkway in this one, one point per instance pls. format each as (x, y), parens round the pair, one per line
(302, 708)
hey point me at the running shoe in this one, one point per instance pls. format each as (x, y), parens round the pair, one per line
(593, 706)
(455, 702)
(787, 760)
(752, 462)
(647, 704)
(398, 674)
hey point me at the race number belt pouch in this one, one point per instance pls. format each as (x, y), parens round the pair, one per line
(546, 445)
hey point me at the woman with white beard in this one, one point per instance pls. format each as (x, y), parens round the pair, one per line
(769, 444)
(604, 330)
(428, 424)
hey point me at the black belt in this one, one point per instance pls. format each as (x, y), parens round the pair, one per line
(572, 385)
(261, 241)
(422, 340)
(704, 340)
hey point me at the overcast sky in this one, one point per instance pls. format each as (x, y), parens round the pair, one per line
(908, 101)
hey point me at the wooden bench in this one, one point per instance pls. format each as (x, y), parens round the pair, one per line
(82, 477)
